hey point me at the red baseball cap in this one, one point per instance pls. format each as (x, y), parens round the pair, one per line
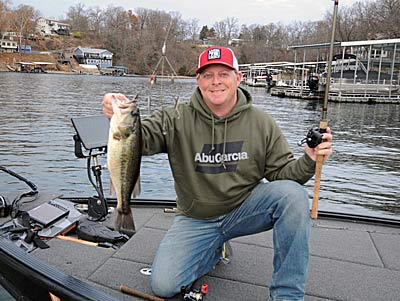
(217, 55)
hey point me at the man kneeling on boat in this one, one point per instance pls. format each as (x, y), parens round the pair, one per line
(221, 150)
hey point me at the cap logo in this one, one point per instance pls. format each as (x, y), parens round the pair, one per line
(214, 54)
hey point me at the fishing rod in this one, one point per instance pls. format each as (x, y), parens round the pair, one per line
(323, 124)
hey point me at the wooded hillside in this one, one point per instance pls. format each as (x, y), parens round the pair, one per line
(136, 37)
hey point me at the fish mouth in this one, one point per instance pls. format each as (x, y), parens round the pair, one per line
(127, 105)
(124, 103)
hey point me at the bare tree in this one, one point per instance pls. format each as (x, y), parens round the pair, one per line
(232, 28)
(77, 17)
(143, 15)
(119, 33)
(245, 33)
(347, 23)
(95, 19)
(177, 27)
(6, 17)
(226, 29)
(221, 30)
(192, 29)
(25, 17)
(385, 17)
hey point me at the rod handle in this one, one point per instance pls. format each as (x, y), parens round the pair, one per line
(77, 240)
(317, 185)
(137, 293)
(323, 124)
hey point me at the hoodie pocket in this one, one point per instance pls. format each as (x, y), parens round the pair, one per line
(210, 209)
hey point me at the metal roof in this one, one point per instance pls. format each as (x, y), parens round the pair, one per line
(312, 46)
(93, 50)
(370, 42)
(346, 44)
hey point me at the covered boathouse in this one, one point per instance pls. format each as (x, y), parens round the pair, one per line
(362, 71)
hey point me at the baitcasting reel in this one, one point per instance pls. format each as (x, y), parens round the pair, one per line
(313, 138)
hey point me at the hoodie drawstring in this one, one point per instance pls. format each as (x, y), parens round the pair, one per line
(212, 134)
(213, 139)
(224, 147)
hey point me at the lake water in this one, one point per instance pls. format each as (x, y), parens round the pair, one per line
(36, 139)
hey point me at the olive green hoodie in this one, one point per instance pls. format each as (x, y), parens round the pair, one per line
(216, 162)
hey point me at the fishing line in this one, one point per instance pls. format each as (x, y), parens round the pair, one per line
(153, 78)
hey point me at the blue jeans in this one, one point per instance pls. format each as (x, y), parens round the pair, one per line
(192, 247)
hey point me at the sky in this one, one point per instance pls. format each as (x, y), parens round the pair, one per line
(206, 11)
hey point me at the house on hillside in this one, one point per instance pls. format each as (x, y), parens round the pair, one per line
(92, 56)
(49, 27)
(235, 42)
(8, 46)
(25, 49)
(10, 35)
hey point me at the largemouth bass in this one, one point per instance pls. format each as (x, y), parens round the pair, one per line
(124, 152)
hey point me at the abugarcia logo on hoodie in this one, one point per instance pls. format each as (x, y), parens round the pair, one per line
(217, 161)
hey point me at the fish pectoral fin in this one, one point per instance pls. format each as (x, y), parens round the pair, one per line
(117, 136)
(136, 188)
(124, 132)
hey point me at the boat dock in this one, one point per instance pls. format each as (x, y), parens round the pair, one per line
(351, 258)
(370, 97)
(34, 67)
(295, 92)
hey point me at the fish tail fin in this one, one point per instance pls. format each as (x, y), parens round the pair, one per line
(136, 189)
(124, 220)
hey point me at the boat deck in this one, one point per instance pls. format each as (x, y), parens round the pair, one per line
(349, 261)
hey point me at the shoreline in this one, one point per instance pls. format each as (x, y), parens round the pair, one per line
(76, 72)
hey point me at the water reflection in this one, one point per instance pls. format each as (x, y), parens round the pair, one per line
(36, 138)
